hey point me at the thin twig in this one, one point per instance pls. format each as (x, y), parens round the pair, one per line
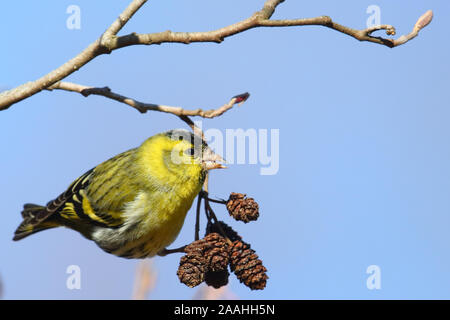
(165, 252)
(143, 107)
(208, 216)
(262, 19)
(120, 22)
(109, 41)
(197, 217)
(217, 201)
(212, 215)
(361, 35)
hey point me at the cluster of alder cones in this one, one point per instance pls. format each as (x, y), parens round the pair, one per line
(207, 259)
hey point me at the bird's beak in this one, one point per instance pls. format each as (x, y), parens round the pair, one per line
(211, 160)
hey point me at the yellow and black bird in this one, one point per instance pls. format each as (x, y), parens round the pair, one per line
(134, 204)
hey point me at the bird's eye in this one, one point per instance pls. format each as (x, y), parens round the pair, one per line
(190, 151)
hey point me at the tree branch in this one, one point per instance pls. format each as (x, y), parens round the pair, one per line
(109, 41)
(259, 19)
(9, 97)
(143, 107)
(361, 35)
(120, 22)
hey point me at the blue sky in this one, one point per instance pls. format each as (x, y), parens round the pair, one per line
(364, 176)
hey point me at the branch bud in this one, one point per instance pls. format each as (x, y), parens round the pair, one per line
(423, 21)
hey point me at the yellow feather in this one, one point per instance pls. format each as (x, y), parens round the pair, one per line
(134, 204)
(87, 209)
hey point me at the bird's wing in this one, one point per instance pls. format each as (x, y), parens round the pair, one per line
(72, 192)
(37, 218)
(74, 206)
(113, 184)
(98, 196)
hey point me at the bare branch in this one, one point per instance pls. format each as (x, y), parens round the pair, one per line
(197, 218)
(120, 22)
(109, 41)
(165, 252)
(144, 107)
(259, 20)
(9, 97)
(362, 35)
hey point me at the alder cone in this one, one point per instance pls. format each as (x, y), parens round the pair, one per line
(210, 254)
(216, 251)
(247, 267)
(217, 279)
(217, 227)
(192, 268)
(242, 208)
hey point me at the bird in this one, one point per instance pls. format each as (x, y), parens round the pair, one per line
(134, 204)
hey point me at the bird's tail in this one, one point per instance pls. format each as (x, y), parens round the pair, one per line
(34, 220)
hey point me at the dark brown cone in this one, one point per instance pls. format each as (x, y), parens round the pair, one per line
(244, 262)
(242, 208)
(192, 268)
(217, 279)
(229, 232)
(210, 254)
(216, 252)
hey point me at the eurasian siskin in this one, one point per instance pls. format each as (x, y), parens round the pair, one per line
(134, 204)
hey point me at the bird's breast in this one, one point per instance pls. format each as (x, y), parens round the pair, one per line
(152, 221)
